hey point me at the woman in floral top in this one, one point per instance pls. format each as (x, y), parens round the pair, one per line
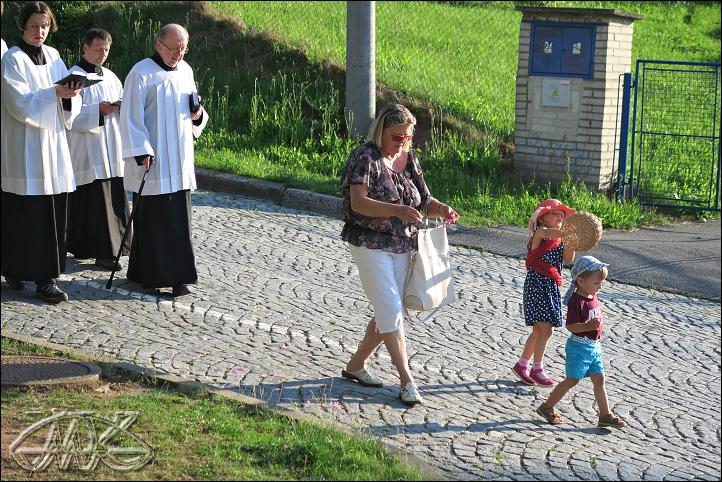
(384, 192)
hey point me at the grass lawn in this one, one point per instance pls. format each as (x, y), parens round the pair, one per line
(275, 89)
(196, 435)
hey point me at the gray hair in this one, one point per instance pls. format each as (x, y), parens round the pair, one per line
(391, 115)
(166, 29)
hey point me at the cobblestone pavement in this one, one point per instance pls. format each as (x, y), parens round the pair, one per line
(278, 310)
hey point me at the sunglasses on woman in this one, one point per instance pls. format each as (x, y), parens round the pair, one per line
(403, 137)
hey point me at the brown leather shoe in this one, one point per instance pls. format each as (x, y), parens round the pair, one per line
(180, 290)
(549, 413)
(611, 420)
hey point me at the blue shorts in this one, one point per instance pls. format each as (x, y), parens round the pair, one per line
(583, 359)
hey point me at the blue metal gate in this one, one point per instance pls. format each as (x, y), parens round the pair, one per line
(674, 158)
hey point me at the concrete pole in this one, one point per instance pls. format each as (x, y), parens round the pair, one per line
(360, 65)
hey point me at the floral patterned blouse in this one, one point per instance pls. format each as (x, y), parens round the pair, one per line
(365, 166)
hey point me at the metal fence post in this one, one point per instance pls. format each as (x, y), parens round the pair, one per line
(624, 136)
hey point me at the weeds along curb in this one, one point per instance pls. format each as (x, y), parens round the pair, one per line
(271, 191)
(187, 386)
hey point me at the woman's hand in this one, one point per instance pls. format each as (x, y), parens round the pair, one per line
(408, 214)
(450, 216)
(68, 91)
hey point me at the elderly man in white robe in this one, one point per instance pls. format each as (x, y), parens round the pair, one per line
(159, 119)
(98, 210)
(37, 173)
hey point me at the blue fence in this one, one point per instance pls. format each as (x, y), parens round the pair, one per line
(674, 157)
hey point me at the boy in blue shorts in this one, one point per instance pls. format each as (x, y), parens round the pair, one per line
(583, 352)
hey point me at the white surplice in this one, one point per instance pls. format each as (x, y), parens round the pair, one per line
(96, 150)
(3, 47)
(155, 119)
(35, 159)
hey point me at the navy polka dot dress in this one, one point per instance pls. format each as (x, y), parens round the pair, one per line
(542, 297)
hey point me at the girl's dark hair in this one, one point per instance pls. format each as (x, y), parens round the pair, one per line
(36, 7)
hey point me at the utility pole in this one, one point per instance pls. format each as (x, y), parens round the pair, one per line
(360, 65)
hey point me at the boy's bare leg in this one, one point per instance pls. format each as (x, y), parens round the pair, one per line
(600, 393)
(560, 390)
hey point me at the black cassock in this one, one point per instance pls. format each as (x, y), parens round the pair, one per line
(97, 218)
(162, 251)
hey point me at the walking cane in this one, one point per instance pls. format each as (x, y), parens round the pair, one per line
(136, 204)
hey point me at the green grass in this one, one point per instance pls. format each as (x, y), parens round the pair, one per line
(198, 435)
(275, 88)
(463, 56)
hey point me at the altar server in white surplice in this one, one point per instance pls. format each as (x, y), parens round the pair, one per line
(37, 173)
(159, 119)
(98, 212)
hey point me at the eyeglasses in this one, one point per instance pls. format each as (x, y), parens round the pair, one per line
(403, 137)
(174, 51)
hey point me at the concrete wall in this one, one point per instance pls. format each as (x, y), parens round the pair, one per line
(547, 138)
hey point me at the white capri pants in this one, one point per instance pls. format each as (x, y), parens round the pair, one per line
(383, 276)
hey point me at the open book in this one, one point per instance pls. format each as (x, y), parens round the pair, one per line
(86, 79)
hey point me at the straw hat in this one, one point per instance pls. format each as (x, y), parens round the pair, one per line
(581, 231)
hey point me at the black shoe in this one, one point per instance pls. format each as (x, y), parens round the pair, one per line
(15, 284)
(50, 292)
(108, 263)
(180, 290)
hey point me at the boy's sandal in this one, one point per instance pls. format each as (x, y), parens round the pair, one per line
(550, 414)
(610, 420)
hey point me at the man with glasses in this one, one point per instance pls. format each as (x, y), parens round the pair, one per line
(160, 116)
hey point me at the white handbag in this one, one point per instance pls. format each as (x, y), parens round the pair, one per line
(429, 284)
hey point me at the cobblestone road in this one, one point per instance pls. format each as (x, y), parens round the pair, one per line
(278, 310)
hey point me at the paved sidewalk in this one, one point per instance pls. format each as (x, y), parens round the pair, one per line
(682, 258)
(278, 310)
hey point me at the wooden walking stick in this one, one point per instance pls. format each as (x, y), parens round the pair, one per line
(136, 204)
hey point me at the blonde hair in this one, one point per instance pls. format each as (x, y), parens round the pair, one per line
(587, 274)
(391, 115)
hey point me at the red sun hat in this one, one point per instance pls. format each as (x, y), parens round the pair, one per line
(545, 207)
(549, 205)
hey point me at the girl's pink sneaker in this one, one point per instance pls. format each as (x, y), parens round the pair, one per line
(541, 378)
(522, 374)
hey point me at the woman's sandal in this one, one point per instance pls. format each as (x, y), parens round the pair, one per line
(611, 420)
(550, 414)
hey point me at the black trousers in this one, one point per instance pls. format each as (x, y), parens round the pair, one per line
(162, 251)
(98, 215)
(34, 233)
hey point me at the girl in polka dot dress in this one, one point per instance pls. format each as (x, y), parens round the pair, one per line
(542, 298)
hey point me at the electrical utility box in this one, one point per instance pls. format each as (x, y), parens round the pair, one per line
(570, 62)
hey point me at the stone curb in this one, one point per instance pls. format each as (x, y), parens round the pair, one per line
(184, 384)
(271, 191)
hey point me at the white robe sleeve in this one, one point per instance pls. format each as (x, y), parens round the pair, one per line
(88, 119)
(70, 116)
(133, 131)
(37, 108)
